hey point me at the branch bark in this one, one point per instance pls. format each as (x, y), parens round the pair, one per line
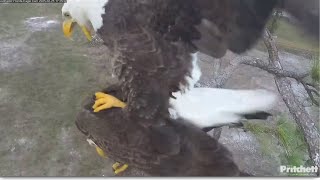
(221, 79)
(270, 68)
(302, 118)
(310, 93)
(274, 67)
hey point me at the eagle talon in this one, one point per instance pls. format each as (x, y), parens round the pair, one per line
(118, 168)
(101, 152)
(106, 101)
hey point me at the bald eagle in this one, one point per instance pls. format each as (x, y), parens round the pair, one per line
(154, 44)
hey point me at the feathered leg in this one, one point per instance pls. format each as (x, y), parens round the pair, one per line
(105, 101)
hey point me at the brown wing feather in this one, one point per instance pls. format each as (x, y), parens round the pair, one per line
(149, 67)
(231, 24)
(175, 149)
(152, 41)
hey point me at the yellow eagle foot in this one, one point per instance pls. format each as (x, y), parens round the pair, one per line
(101, 152)
(118, 168)
(106, 101)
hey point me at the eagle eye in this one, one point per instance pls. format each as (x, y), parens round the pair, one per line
(67, 15)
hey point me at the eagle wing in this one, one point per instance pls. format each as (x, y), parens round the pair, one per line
(152, 42)
(176, 149)
(213, 27)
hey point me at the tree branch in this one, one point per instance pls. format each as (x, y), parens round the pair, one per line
(302, 118)
(221, 79)
(309, 91)
(272, 69)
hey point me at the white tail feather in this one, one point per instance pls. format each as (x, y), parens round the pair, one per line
(206, 107)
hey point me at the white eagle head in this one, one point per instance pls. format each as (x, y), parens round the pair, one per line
(86, 13)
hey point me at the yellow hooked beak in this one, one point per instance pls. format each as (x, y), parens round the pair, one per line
(68, 26)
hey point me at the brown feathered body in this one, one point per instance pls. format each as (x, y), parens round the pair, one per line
(152, 42)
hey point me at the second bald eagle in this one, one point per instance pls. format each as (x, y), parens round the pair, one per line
(154, 44)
